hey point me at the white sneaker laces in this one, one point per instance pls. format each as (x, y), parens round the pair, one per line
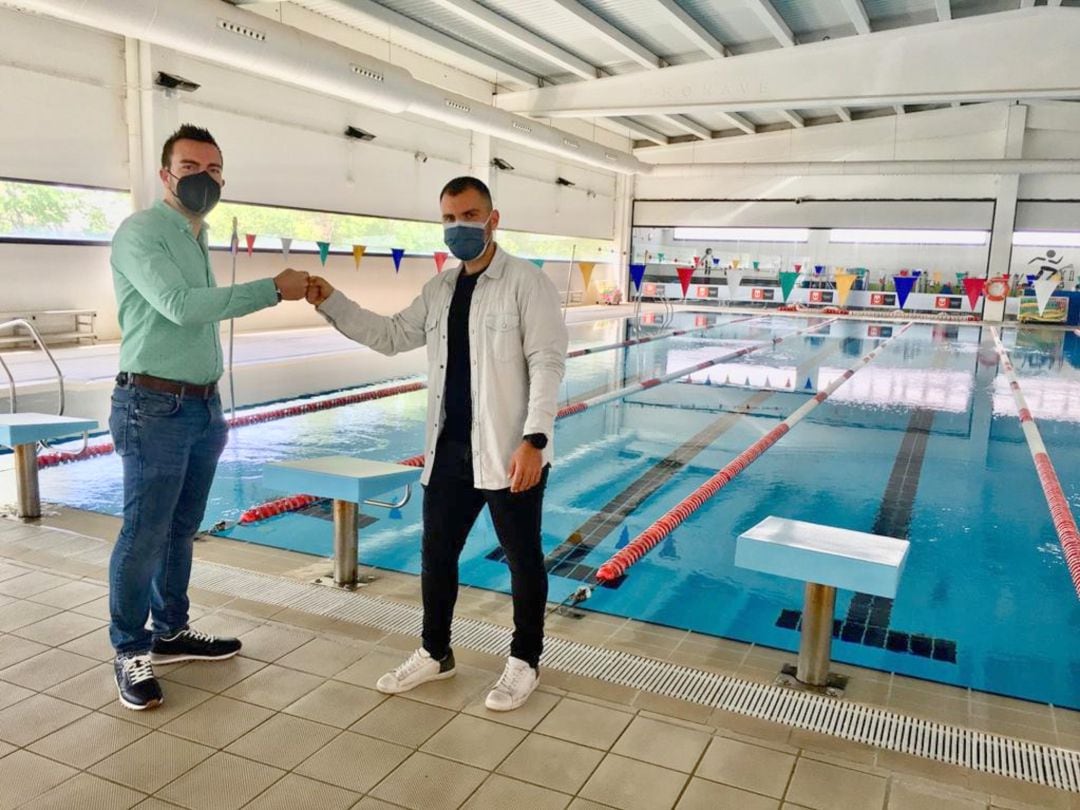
(513, 673)
(138, 668)
(411, 665)
(197, 636)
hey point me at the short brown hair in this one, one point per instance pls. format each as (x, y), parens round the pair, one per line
(459, 185)
(187, 132)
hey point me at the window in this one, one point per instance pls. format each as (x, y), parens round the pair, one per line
(46, 212)
(742, 234)
(379, 235)
(906, 236)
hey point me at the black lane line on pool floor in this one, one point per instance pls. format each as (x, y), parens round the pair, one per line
(868, 616)
(565, 559)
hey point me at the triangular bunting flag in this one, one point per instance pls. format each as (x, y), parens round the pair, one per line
(973, 288)
(734, 279)
(234, 242)
(624, 538)
(798, 268)
(787, 282)
(747, 383)
(809, 384)
(735, 264)
(637, 273)
(324, 251)
(903, 288)
(844, 281)
(660, 257)
(250, 237)
(538, 262)
(286, 245)
(358, 254)
(768, 383)
(685, 274)
(398, 254)
(1044, 288)
(586, 269)
(440, 259)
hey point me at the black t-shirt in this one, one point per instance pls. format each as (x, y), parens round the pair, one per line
(457, 397)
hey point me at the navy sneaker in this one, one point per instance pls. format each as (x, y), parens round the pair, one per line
(191, 645)
(135, 682)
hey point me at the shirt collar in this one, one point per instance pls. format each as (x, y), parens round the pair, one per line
(171, 215)
(494, 269)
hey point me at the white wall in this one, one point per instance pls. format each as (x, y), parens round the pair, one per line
(65, 88)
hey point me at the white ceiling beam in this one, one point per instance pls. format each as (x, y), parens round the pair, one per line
(768, 15)
(382, 14)
(643, 132)
(793, 118)
(927, 64)
(1027, 3)
(690, 126)
(857, 12)
(509, 31)
(692, 29)
(740, 122)
(944, 10)
(614, 37)
(844, 113)
(1053, 2)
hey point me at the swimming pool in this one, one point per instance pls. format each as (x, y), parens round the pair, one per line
(923, 443)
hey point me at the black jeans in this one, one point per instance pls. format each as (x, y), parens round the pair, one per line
(451, 506)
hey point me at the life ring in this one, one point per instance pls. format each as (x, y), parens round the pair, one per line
(997, 289)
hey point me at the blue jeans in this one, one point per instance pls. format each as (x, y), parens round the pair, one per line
(170, 448)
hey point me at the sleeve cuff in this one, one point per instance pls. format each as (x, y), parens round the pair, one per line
(333, 306)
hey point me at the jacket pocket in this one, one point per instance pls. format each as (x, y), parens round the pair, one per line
(503, 332)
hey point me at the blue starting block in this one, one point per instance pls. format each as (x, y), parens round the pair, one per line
(21, 432)
(826, 558)
(349, 482)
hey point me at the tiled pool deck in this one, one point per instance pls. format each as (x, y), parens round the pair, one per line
(294, 721)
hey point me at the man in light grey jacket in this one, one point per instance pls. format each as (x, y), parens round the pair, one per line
(496, 348)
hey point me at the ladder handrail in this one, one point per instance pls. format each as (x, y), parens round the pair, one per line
(41, 344)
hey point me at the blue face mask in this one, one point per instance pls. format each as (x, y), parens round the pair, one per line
(466, 240)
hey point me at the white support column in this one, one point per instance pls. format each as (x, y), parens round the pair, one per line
(1005, 210)
(624, 206)
(480, 162)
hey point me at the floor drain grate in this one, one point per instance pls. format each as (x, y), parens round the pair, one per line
(992, 753)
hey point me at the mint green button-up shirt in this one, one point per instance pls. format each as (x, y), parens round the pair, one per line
(169, 304)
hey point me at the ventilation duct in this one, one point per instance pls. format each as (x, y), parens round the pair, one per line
(218, 32)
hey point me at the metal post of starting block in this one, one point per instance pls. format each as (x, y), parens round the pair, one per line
(346, 515)
(26, 480)
(815, 643)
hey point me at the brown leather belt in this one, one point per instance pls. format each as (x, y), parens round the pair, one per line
(163, 386)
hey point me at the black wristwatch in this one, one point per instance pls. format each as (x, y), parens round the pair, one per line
(537, 440)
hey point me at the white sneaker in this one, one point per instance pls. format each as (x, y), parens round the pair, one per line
(418, 668)
(518, 681)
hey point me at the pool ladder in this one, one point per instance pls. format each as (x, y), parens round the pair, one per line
(13, 394)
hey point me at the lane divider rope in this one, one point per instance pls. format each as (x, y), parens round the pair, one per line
(1060, 513)
(281, 505)
(618, 564)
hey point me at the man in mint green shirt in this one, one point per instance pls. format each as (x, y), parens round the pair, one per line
(166, 421)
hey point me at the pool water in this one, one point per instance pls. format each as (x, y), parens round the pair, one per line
(923, 443)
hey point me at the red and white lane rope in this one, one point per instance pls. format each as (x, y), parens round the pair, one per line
(637, 548)
(280, 505)
(662, 336)
(105, 448)
(52, 459)
(1064, 522)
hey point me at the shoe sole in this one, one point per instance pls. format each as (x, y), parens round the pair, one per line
(176, 659)
(442, 676)
(135, 707)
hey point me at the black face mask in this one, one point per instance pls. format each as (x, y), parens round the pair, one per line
(198, 193)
